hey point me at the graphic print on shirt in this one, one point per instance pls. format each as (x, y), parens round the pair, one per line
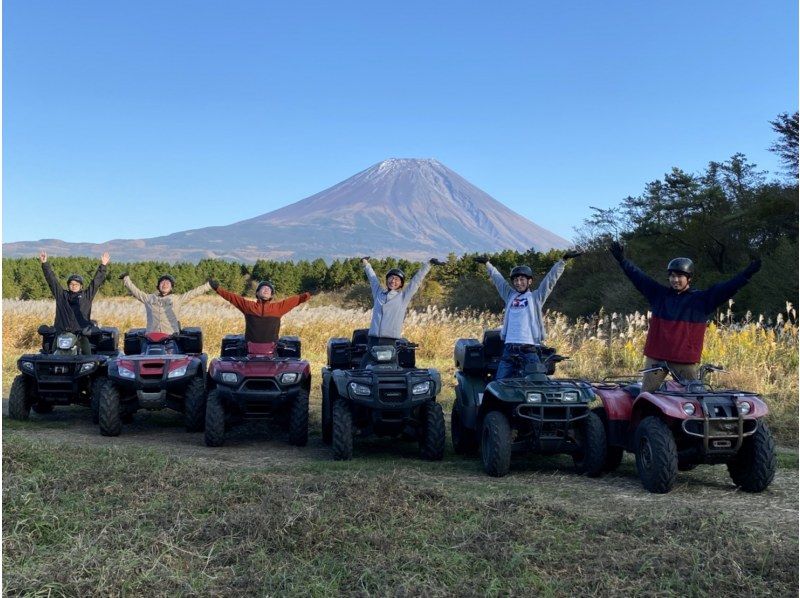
(519, 302)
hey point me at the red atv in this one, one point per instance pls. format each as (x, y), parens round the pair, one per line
(686, 423)
(251, 381)
(157, 371)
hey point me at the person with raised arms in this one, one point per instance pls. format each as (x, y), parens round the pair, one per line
(163, 306)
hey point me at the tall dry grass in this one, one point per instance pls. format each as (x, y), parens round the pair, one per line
(760, 354)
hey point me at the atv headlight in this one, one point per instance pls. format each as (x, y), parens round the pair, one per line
(533, 397)
(360, 389)
(289, 377)
(125, 372)
(421, 388)
(689, 408)
(745, 407)
(65, 341)
(229, 377)
(87, 367)
(383, 353)
(178, 372)
(26, 365)
(570, 397)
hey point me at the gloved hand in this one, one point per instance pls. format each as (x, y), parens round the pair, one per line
(123, 275)
(434, 262)
(617, 250)
(753, 267)
(365, 258)
(571, 254)
(481, 259)
(214, 283)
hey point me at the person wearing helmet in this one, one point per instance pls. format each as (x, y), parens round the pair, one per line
(679, 314)
(262, 317)
(163, 306)
(389, 305)
(523, 326)
(74, 304)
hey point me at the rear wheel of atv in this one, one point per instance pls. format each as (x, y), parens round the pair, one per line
(342, 437)
(591, 458)
(431, 442)
(43, 408)
(215, 420)
(298, 419)
(327, 417)
(614, 454)
(94, 403)
(656, 455)
(19, 406)
(465, 442)
(194, 405)
(110, 417)
(753, 467)
(496, 444)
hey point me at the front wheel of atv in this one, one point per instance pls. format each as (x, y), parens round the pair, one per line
(327, 417)
(110, 417)
(19, 407)
(298, 419)
(94, 404)
(194, 405)
(432, 439)
(496, 444)
(591, 458)
(215, 420)
(753, 467)
(614, 454)
(465, 441)
(656, 455)
(342, 431)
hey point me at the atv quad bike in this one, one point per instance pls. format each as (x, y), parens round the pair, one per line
(379, 392)
(59, 374)
(684, 424)
(252, 381)
(530, 414)
(158, 371)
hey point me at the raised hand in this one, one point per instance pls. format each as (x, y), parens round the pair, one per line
(571, 254)
(753, 267)
(43, 256)
(105, 258)
(214, 283)
(435, 262)
(123, 275)
(617, 250)
(365, 259)
(481, 259)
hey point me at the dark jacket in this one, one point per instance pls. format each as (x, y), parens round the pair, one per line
(262, 319)
(73, 310)
(679, 320)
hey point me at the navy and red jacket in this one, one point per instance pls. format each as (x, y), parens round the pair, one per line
(679, 320)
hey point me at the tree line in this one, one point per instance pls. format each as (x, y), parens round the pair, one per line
(721, 218)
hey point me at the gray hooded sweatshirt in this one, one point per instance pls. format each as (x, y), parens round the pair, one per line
(162, 311)
(389, 307)
(535, 298)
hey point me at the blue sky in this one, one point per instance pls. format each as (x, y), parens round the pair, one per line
(137, 119)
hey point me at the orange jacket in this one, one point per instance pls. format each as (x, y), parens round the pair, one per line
(262, 318)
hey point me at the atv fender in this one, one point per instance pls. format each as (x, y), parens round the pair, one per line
(341, 378)
(617, 402)
(437, 379)
(647, 402)
(471, 387)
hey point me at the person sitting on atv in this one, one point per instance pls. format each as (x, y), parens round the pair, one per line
(262, 317)
(390, 304)
(163, 306)
(679, 314)
(523, 328)
(74, 305)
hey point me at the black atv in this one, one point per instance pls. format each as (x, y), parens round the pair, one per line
(59, 374)
(532, 413)
(379, 392)
(158, 371)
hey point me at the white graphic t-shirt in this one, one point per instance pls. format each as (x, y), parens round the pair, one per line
(519, 319)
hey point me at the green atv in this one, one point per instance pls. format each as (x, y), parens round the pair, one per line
(533, 413)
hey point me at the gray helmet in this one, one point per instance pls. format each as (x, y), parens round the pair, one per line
(521, 271)
(164, 277)
(683, 265)
(265, 283)
(399, 273)
(76, 278)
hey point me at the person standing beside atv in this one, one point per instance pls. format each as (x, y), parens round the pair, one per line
(74, 305)
(262, 317)
(390, 305)
(523, 328)
(679, 314)
(163, 306)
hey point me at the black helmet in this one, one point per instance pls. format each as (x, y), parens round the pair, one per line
(75, 277)
(521, 271)
(164, 277)
(681, 264)
(399, 273)
(265, 283)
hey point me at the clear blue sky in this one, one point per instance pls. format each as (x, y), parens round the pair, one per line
(137, 119)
